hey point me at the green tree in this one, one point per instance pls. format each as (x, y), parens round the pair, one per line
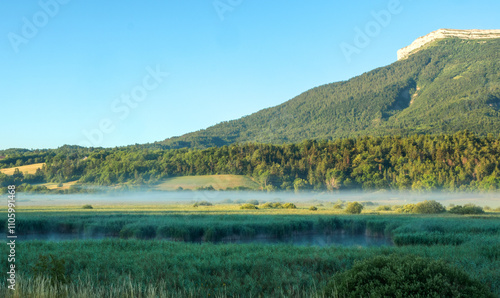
(354, 208)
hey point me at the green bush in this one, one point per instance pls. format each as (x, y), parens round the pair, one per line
(277, 205)
(408, 276)
(368, 203)
(87, 207)
(384, 208)
(266, 205)
(428, 207)
(253, 202)
(51, 268)
(289, 206)
(313, 208)
(408, 208)
(210, 188)
(272, 205)
(338, 206)
(202, 203)
(467, 209)
(248, 206)
(354, 208)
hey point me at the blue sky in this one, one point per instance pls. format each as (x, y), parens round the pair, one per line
(68, 67)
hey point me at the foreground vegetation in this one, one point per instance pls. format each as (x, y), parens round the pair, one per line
(139, 263)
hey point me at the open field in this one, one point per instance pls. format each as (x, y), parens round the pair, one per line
(219, 182)
(30, 169)
(138, 259)
(66, 185)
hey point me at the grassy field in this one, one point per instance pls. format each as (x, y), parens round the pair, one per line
(216, 181)
(31, 169)
(138, 262)
(64, 186)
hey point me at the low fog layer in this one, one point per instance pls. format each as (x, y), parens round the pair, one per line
(227, 197)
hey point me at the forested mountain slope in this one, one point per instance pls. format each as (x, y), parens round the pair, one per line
(450, 85)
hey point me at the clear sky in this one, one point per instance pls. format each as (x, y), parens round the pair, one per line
(95, 72)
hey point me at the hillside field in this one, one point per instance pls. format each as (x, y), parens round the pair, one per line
(219, 182)
(64, 186)
(31, 169)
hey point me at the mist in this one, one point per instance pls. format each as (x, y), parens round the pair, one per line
(151, 196)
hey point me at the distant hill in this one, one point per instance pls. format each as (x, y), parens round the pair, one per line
(447, 83)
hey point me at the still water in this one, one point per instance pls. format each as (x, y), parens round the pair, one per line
(308, 239)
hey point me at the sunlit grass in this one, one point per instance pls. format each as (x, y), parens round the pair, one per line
(218, 182)
(30, 169)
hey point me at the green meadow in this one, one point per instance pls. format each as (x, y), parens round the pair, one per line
(218, 182)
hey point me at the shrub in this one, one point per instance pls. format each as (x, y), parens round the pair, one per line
(272, 205)
(204, 203)
(368, 203)
(210, 188)
(276, 205)
(248, 206)
(384, 208)
(467, 209)
(338, 206)
(313, 208)
(145, 232)
(354, 208)
(289, 206)
(51, 268)
(396, 207)
(87, 207)
(408, 276)
(408, 208)
(429, 207)
(267, 205)
(253, 202)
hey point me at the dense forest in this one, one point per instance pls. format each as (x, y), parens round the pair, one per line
(450, 86)
(458, 162)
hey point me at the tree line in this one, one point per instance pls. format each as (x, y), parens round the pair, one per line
(458, 162)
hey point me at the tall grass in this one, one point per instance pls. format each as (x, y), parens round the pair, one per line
(135, 267)
(229, 269)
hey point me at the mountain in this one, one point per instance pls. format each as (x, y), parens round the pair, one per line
(444, 82)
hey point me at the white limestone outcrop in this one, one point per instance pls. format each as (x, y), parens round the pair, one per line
(446, 33)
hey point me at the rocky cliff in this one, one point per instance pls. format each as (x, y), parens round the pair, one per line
(445, 33)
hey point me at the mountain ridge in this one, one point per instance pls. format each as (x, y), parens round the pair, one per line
(446, 33)
(448, 85)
